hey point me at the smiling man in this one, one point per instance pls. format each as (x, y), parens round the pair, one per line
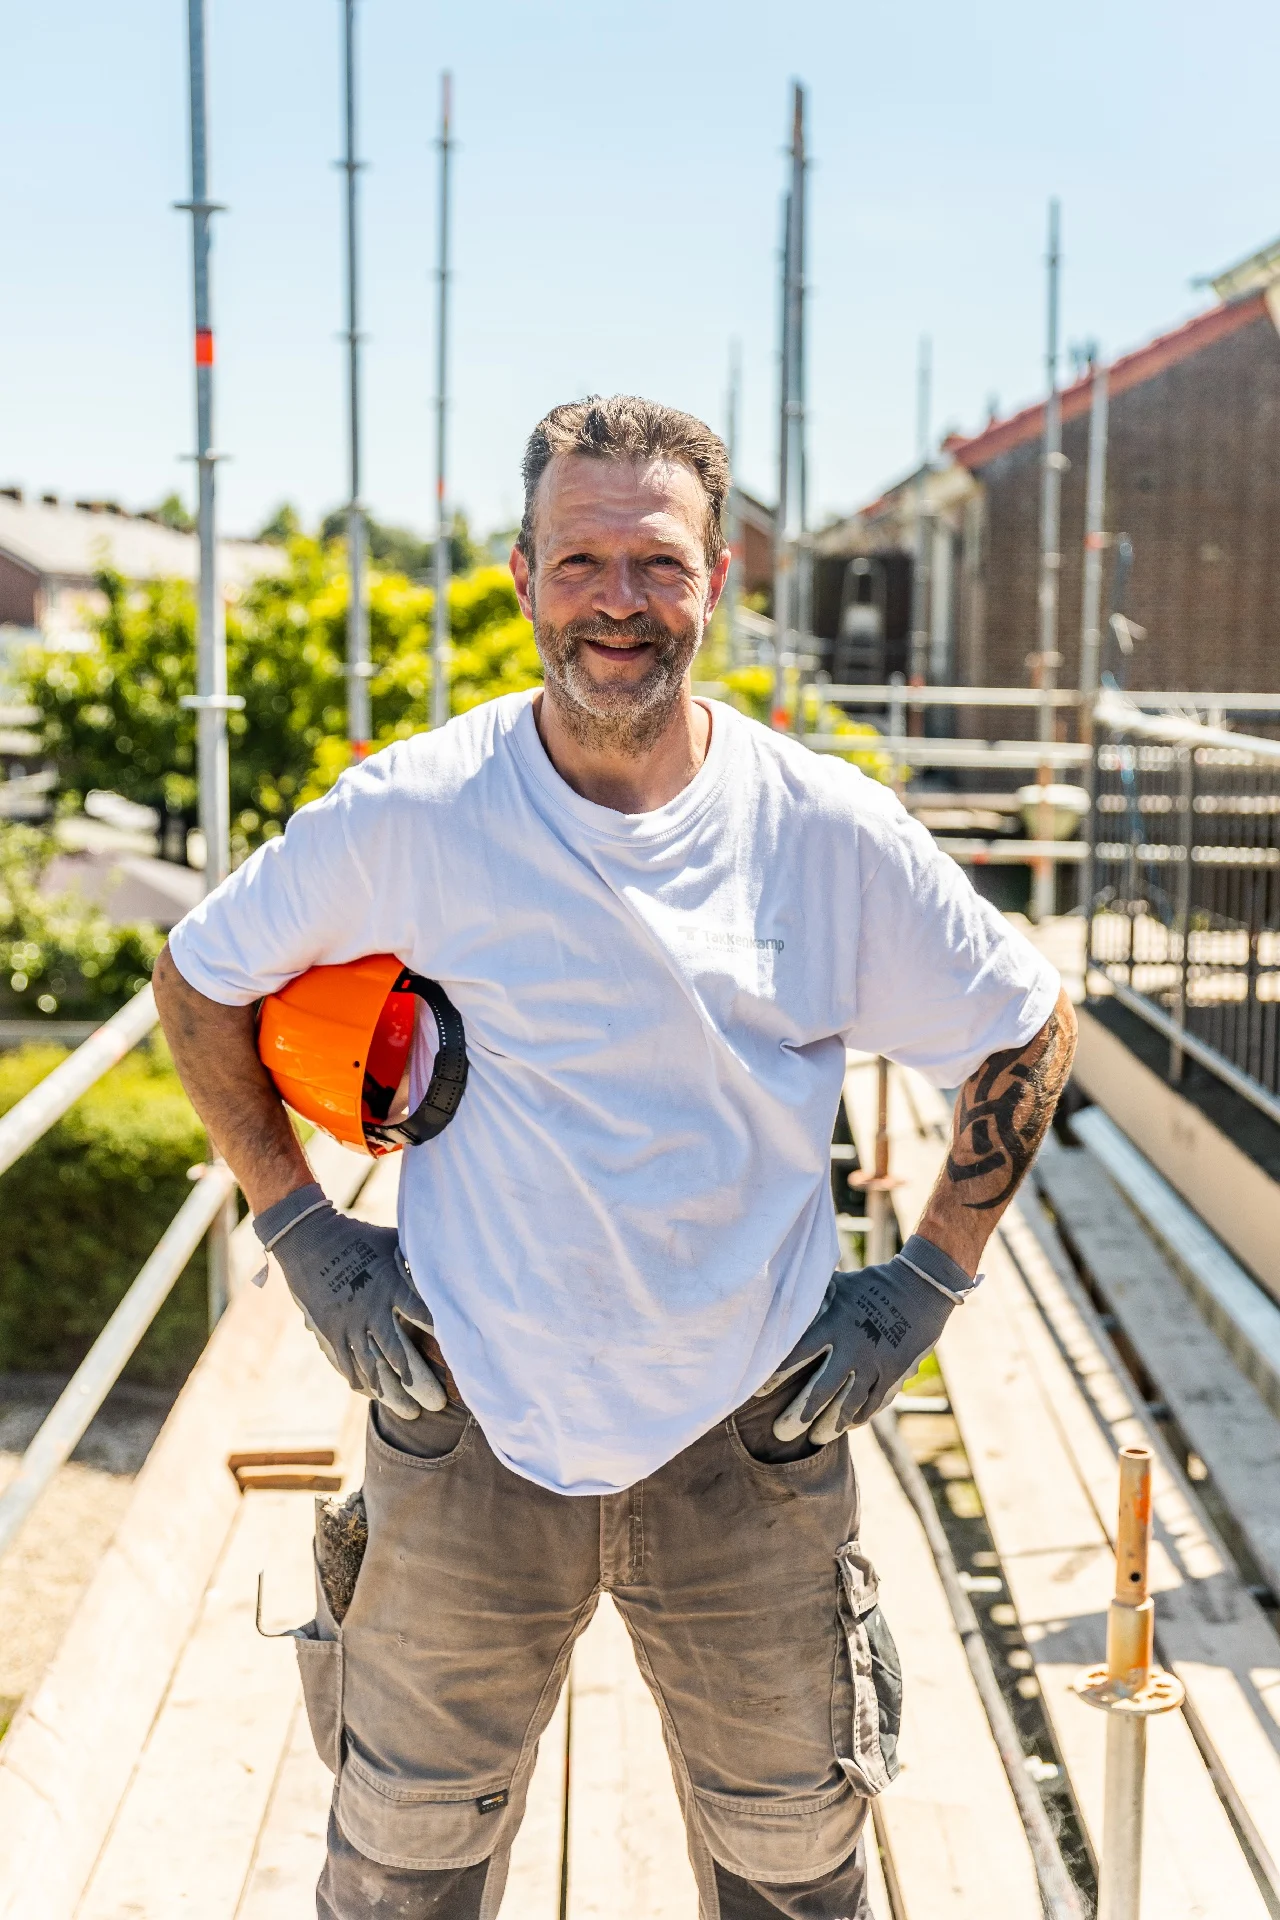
(634, 1360)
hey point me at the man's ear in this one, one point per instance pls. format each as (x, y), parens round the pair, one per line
(715, 586)
(520, 575)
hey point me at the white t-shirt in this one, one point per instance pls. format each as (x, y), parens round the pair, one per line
(629, 1222)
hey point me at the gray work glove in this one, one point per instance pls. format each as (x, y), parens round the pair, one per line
(353, 1286)
(873, 1329)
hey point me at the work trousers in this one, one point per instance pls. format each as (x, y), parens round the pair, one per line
(754, 1618)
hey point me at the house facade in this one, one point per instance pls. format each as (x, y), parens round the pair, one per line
(1193, 480)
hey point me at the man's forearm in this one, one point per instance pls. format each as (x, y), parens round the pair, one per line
(215, 1051)
(1001, 1117)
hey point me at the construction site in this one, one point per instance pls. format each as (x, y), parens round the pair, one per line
(1056, 639)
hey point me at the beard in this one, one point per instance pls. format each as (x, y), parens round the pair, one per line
(622, 718)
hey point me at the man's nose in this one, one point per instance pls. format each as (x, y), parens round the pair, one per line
(619, 591)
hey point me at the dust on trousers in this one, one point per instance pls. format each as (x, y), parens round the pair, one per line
(754, 1618)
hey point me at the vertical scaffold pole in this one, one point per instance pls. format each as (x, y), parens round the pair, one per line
(788, 596)
(1043, 885)
(1129, 1688)
(879, 1182)
(732, 512)
(921, 554)
(211, 700)
(1095, 543)
(358, 667)
(440, 631)
(782, 557)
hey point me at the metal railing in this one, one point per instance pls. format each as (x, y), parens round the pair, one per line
(1182, 888)
(207, 1207)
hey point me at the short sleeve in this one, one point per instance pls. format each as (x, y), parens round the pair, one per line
(300, 901)
(942, 979)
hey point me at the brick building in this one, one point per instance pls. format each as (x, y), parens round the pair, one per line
(1193, 478)
(52, 552)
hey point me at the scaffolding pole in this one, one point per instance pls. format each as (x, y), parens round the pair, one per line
(1048, 659)
(732, 513)
(789, 522)
(358, 665)
(1095, 543)
(440, 631)
(211, 700)
(922, 556)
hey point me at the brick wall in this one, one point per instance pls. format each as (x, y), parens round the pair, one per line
(18, 586)
(1193, 477)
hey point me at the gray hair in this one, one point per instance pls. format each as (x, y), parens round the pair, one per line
(625, 427)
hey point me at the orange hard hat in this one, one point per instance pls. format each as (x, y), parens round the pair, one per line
(336, 1042)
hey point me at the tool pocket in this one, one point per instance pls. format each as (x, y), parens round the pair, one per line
(867, 1697)
(320, 1665)
(342, 1535)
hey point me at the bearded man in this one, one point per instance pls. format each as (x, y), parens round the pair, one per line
(663, 926)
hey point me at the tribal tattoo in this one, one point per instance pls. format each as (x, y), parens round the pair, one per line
(1003, 1112)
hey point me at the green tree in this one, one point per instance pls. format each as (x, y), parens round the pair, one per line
(172, 512)
(397, 550)
(58, 954)
(111, 716)
(283, 526)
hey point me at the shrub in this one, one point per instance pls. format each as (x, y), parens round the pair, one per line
(60, 955)
(84, 1207)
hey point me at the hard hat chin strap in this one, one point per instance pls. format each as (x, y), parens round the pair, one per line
(448, 1074)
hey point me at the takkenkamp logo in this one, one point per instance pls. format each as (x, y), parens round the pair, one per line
(733, 942)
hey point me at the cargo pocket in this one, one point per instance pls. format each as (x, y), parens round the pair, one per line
(342, 1535)
(425, 1829)
(320, 1664)
(867, 1698)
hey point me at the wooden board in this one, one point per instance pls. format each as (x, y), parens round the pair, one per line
(951, 1831)
(67, 1761)
(1243, 1315)
(1056, 1557)
(533, 1878)
(187, 1832)
(627, 1851)
(186, 1838)
(290, 1850)
(1210, 1629)
(1223, 1415)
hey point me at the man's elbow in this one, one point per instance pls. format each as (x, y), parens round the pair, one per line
(166, 982)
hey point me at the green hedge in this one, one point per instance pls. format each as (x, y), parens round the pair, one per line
(83, 1208)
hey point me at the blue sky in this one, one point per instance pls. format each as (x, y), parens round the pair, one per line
(617, 204)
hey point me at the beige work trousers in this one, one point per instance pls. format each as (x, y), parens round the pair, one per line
(754, 1617)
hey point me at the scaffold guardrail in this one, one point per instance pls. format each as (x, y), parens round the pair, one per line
(24, 1124)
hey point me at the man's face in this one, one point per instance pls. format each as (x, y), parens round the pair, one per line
(619, 593)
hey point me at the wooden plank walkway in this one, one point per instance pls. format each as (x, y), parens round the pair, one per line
(1224, 1416)
(67, 1761)
(998, 1361)
(953, 1839)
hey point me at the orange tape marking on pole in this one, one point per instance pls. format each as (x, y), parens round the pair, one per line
(204, 346)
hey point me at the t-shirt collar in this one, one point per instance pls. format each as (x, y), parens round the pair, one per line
(604, 822)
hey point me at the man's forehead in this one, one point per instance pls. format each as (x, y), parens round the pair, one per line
(658, 497)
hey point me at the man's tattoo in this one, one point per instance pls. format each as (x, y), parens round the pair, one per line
(1003, 1111)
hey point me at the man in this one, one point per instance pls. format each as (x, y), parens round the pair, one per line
(662, 925)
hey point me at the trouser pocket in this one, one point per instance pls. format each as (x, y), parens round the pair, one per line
(320, 1665)
(342, 1535)
(867, 1699)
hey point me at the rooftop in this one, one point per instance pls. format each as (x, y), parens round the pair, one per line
(73, 543)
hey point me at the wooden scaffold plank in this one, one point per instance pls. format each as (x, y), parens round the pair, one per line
(1055, 1552)
(952, 1836)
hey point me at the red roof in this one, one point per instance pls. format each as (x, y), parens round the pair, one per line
(979, 449)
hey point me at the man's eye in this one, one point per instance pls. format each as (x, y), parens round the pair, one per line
(665, 560)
